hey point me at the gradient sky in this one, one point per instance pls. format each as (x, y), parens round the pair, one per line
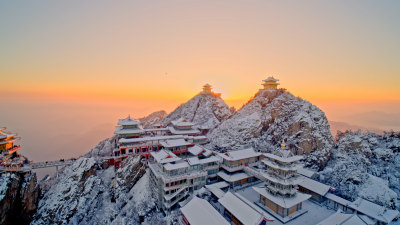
(321, 50)
(343, 56)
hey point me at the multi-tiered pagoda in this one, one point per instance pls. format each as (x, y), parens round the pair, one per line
(280, 193)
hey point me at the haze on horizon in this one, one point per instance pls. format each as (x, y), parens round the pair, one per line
(69, 70)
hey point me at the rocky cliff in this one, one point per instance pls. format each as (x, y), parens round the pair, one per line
(207, 109)
(276, 115)
(153, 118)
(90, 192)
(365, 165)
(19, 195)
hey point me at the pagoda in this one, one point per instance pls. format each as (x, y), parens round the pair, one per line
(280, 194)
(207, 88)
(7, 140)
(270, 83)
(128, 128)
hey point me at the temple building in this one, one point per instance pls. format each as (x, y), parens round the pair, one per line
(128, 128)
(132, 139)
(280, 195)
(183, 127)
(233, 165)
(270, 83)
(207, 88)
(7, 141)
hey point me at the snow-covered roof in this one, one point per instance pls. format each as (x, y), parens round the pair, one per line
(196, 150)
(198, 137)
(128, 121)
(315, 186)
(156, 138)
(200, 150)
(270, 79)
(306, 172)
(239, 154)
(340, 218)
(175, 131)
(7, 134)
(156, 129)
(198, 212)
(216, 188)
(283, 159)
(217, 192)
(196, 161)
(337, 199)
(289, 167)
(182, 122)
(374, 210)
(233, 177)
(221, 184)
(176, 165)
(164, 156)
(285, 202)
(8, 141)
(120, 130)
(204, 127)
(174, 143)
(275, 179)
(242, 211)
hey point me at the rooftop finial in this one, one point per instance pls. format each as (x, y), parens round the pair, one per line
(283, 146)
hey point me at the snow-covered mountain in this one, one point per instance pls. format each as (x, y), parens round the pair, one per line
(365, 165)
(206, 108)
(89, 192)
(153, 118)
(276, 115)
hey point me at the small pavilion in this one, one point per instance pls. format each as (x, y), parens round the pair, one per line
(207, 88)
(270, 83)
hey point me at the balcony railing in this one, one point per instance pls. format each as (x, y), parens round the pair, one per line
(175, 186)
(170, 196)
(238, 167)
(170, 178)
(283, 191)
(178, 198)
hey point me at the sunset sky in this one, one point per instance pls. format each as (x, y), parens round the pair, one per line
(157, 54)
(321, 50)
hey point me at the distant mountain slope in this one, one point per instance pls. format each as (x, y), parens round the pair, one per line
(276, 115)
(206, 109)
(153, 118)
(342, 126)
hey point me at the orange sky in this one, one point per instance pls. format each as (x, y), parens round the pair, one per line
(157, 50)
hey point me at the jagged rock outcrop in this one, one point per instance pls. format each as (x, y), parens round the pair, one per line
(89, 193)
(204, 109)
(274, 115)
(365, 165)
(103, 148)
(19, 195)
(153, 118)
